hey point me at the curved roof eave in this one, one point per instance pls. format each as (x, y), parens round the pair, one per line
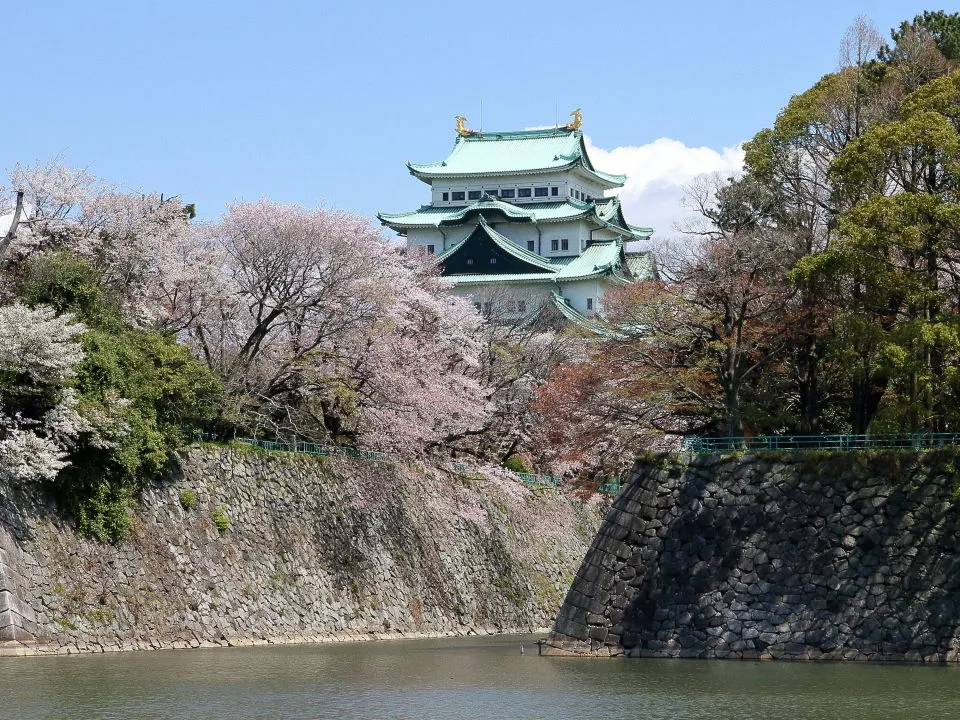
(587, 164)
(424, 174)
(611, 181)
(431, 217)
(514, 212)
(522, 279)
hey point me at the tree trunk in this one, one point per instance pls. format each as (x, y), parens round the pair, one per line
(12, 231)
(734, 420)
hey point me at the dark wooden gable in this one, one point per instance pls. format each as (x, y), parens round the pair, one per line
(480, 254)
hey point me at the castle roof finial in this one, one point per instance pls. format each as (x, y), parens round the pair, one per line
(462, 129)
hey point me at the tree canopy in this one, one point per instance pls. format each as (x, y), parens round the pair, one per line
(820, 291)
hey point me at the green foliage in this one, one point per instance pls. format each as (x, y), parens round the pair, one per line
(220, 520)
(66, 283)
(137, 388)
(943, 27)
(188, 498)
(895, 248)
(518, 463)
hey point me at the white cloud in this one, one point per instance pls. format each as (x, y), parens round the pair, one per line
(657, 173)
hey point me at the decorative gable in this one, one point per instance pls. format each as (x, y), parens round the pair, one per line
(487, 252)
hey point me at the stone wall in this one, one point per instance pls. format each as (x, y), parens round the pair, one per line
(316, 549)
(852, 556)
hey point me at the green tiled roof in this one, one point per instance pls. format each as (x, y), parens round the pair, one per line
(575, 316)
(605, 211)
(559, 211)
(641, 232)
(515, 153)
(598, 258)
(641, 265)
(430, 216)
(610, 212)
(592, 324)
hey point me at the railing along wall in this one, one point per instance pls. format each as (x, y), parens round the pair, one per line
(611, 487)
(760, 443)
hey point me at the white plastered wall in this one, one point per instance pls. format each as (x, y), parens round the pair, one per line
(579, 291)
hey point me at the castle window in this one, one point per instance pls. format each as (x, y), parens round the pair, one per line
(473, 195)
(492, 192)
(554, 245)
(488, 307)
(541, 192)
(477, 306)
(505, 193)
(523, 192)
(469, 261)
(458, 195)
(589, 303)
(493, 261)
(564, 244)
(554, 191)
(430, 249)
(446, 197)
(530, 245)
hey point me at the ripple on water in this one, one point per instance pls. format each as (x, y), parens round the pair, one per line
(481, 678)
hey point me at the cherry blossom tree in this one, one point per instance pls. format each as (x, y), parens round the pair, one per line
(39, 421)
(521, 344)
(319, 327)
(149, 256)
(324, 330)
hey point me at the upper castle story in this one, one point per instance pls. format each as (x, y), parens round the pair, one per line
(526, 166)
(539, 188)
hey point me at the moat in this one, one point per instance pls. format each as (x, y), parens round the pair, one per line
(484, 678)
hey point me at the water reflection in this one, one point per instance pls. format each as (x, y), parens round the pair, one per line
(483, 678)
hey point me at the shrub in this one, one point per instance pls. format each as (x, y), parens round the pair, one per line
(137, 387)
(220, 520)
(188, 498)
(518, 463)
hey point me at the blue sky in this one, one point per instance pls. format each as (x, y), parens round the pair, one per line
(323, 103)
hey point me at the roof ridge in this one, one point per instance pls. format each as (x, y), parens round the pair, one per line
(482, 135)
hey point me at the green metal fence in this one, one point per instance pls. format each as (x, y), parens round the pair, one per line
(541, 480)
(301, 447)
(761, 443)
(610, 488)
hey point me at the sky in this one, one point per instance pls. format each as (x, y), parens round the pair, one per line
(323, 103)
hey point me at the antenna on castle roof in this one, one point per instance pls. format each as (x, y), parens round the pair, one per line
(481, 114)
(556, 115)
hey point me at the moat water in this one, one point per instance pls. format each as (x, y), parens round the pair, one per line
(463, 678)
